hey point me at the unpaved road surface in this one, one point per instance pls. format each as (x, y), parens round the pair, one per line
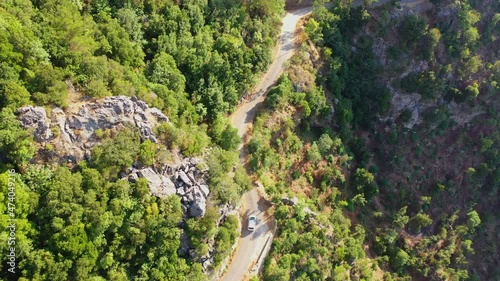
(251, 244)
(245, 114)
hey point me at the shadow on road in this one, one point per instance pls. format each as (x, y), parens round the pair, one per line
(263, 204)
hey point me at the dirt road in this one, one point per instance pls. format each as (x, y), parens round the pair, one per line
(251, 243)
(244, 115)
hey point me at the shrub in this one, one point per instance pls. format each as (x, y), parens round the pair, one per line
(411, 29)
(418, 221)
(147, 153)
(313, 154)
(97, 89)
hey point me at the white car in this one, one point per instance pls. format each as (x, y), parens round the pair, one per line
(252, 222)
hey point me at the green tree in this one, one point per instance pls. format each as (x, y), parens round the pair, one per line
(362, 178)
(116, 154)
(400, 260)
(312, 28)
(223, 134)
(130, 21)
(147, 152)
(47, 86)
(400, 219)
(314, 154)
(364, 182)
(418, 221)
(163, 70)
(116, 43)
(15, 143)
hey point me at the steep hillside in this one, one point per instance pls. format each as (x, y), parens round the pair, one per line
(401, 164)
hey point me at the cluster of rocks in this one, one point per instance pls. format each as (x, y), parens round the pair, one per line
(186, 179)
(186, 249)
(295, 201)
(72, 133)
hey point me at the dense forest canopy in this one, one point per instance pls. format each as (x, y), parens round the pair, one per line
(191, 59)
(384, 127)
(198, 57)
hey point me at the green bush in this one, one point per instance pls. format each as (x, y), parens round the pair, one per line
(425, 83)
(97, 89)
(147, 153)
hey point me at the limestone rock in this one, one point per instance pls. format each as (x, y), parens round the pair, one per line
(77, 126)
(159, 185)
(184, 178)
(199, 205)
(36, 117)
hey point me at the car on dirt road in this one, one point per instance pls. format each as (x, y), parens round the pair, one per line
(252, 222)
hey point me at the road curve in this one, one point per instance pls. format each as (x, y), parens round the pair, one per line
(245, 113)
(251, 243)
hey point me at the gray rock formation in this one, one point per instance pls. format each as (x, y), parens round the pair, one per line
(192, 190)
(199, 204)
(159, 185)
(294, 201)
(76, 127)
(36, 118)
(73, 134)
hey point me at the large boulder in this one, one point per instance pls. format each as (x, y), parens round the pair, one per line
(184, 178)
(159, 185)
(199, 205)
(290, 201)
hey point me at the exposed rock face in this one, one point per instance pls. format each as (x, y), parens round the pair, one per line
(173, 179)
(73, 134)
(294, 201)
(36, 117)
(159, 185)
(290, 201)
(76, 128)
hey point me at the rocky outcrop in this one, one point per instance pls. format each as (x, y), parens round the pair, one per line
(36, 118)
(183, 179)
(72, 133)
(295, 201)
(159, 185)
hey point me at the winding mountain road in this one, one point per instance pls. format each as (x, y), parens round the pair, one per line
(251, 244)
